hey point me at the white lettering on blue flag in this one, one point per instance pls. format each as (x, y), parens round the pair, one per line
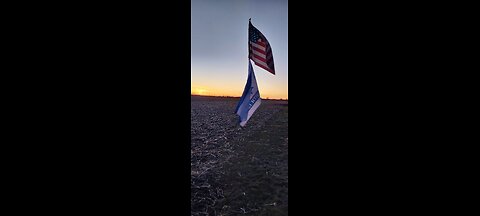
(250, 100)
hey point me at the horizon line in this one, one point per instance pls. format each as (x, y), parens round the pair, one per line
(264, 98)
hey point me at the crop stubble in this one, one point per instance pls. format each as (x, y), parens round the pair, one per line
(238, 170)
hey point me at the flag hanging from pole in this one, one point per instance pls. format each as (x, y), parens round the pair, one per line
(250, 100)
(259, 49)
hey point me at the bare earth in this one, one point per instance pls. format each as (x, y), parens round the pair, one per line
(238, 171)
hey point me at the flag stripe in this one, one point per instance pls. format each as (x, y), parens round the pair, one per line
(263, 51)
(259, 50)
(268, 49)
(260, 55)
(262, 60)
(259, 62)
(265, 67)
(258, 46)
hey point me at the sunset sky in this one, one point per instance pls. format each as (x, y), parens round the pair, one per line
(219, 54)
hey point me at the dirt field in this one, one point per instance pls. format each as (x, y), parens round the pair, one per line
(238, 171)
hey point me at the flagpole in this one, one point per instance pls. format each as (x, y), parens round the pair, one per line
(248, 39)
(250, 99)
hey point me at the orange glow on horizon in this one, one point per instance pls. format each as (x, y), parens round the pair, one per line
(199, 91)
(203, 91)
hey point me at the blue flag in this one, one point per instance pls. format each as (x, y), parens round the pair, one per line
(250, 100)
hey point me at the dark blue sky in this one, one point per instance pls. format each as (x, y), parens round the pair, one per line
(219, 55)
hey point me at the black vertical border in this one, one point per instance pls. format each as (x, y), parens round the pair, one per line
(393, 96)
(98, 108)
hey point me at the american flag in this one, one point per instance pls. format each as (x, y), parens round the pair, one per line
(259, 49)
